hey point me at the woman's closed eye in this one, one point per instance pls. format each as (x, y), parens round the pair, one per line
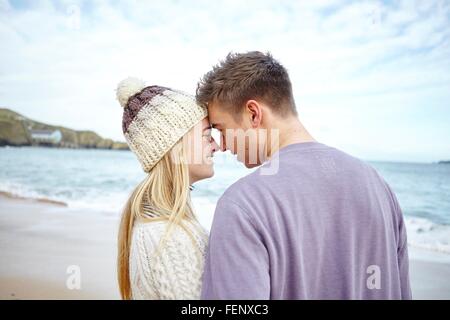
(207, 135)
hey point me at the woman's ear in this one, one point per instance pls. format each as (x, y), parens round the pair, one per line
(255, 112)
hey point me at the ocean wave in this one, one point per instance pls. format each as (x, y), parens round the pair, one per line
(422, 233)
(39, 199)
(13, 190)
(93, 200)
(425, 234)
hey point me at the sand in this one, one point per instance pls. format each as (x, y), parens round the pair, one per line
(39, 241)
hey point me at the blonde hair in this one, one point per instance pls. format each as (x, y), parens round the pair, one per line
(162, 196)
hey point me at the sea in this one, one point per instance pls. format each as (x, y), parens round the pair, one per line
(100, 181)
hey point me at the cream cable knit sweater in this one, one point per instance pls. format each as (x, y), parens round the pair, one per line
(176, 272)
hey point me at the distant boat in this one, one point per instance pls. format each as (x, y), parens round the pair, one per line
(444, 162)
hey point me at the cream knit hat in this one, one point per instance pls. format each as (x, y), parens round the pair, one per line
(155, 118)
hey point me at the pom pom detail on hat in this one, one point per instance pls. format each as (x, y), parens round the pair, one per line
(127, 88)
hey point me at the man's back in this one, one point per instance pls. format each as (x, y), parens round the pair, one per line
(325, 226)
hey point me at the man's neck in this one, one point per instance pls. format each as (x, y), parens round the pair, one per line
(288, 133)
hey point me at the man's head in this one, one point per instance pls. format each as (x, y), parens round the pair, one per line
(247, 95)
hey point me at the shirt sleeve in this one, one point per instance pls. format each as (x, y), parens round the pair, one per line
(402, 250)
(237, 262)
(403, 260)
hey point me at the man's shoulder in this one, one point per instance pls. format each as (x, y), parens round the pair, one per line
(240, 188)
(272, 174)
(336, 159)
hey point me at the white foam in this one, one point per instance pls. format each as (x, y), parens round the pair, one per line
(19, 190)
(425, 234)
(422, 233)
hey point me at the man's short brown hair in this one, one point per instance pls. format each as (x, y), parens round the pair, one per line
(245, 76)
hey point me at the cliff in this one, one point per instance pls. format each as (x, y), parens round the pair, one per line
(17, 130)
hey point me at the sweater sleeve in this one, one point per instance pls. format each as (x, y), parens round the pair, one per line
(237, 263)
(172, 273)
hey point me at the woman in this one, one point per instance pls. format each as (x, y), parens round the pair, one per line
(161, 245)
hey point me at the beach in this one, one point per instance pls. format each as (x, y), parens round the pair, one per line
(39, 241)
(42, 243)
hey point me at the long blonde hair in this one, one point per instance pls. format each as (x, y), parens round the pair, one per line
(162, 196)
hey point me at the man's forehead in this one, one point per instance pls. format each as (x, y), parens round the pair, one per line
(216, 116)
(212, 106)
(215, 124)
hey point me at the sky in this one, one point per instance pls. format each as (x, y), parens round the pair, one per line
(369, 77)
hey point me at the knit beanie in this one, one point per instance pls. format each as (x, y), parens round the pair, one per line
(155, 118)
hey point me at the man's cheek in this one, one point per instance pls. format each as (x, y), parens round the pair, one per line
(238, 146)
(230, 143)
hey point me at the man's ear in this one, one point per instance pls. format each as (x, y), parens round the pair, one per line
(255, 112)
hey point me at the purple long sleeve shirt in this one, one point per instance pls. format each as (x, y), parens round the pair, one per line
(324, 226)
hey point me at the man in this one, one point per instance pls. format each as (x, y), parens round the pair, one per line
(312, 222)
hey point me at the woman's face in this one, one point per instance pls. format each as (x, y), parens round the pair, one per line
(200, 148)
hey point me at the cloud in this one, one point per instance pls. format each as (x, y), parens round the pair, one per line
(365, 60)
